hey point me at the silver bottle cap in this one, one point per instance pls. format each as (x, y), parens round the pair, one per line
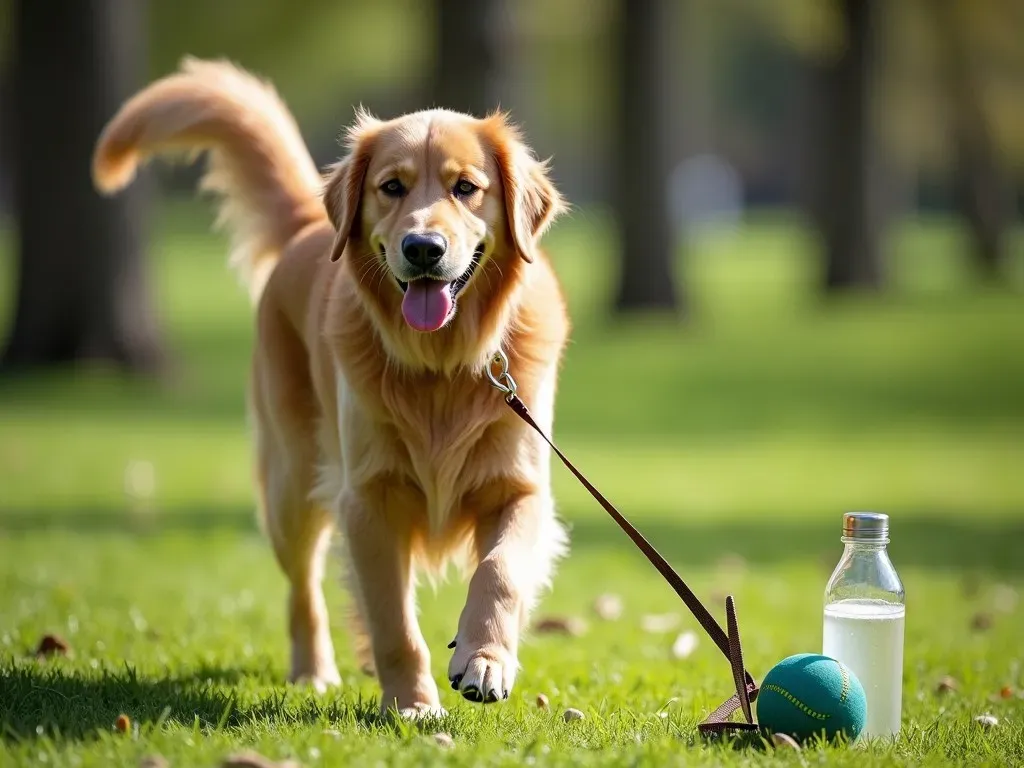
(866, 526)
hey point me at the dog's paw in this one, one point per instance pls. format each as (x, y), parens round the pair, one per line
(422, 712)
(321, 680)
(484, 675)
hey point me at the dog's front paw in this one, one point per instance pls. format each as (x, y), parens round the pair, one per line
(313, 665)
(482, 674)
(422, 712)
(321, 680)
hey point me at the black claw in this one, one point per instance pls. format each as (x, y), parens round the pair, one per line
(455, 681)
(473, 694)
(492, 696)
(452, 643)
(504, 695)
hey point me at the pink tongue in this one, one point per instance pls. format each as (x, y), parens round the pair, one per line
(427, 304)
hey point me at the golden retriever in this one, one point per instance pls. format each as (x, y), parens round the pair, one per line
(383, 290)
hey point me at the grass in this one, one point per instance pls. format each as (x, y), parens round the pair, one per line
(735, 442)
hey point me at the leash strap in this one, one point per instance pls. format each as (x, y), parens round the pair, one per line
(728, 642)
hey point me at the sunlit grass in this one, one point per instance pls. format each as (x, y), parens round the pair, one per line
(126, 520)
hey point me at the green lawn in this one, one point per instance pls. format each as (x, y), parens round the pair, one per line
(735, 442)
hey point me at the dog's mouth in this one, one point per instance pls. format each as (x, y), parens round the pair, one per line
(428, 303)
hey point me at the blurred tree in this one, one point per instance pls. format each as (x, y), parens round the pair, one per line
(473, 49)
(982, 194)
(643, 156)
(846, 164)
(81, 290)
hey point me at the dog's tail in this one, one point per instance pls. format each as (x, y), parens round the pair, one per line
(258, 162)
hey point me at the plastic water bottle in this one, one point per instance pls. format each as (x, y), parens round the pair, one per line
(864, 617)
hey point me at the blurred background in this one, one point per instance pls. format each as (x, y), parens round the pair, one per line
(795, 259)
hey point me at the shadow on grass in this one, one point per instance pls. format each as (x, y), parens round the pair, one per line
(946, 539)
(36, 700)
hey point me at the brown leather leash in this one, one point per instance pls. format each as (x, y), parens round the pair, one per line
(727, 641)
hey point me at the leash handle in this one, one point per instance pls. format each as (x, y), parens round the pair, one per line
(729, 643)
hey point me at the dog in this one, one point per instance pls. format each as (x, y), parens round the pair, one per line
(383, 287)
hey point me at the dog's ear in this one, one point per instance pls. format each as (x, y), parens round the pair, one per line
(343, 192)
(531, 201)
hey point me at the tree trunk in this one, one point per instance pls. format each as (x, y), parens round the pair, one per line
(81, 293)
(473, 48)
(643, 156)
(846, 188)
(982, 193)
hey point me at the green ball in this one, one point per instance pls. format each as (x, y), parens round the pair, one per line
(809, 695)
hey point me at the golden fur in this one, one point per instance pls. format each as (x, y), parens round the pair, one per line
(392, 435)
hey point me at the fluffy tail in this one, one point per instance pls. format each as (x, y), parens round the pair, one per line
(258, 162)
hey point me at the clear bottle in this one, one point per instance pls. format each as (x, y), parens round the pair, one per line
(864, 617)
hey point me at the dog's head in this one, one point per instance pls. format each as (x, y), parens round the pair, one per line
(435, 210)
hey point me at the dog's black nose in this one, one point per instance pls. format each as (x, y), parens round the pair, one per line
(425, 249)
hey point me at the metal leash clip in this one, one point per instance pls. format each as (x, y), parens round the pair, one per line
(502, 381)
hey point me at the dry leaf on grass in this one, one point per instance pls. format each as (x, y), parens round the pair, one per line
(249, 759)
(608, 607)
(572, 714)
(154, 761)
(685, 645)
(542, 701)
(947, 685)
(659, 622)
(123, 724)
(560, 625)
(981, 622)
(51, 645)
(1006, 692)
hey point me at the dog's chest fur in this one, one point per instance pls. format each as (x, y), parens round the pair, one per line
(447, 437)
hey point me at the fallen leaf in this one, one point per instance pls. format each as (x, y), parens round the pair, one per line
(542, 701)
(560, 625)
(784, 741)
(684, 645)
(659, 622)
(981, 622)
(123, 724)
(249, 759)
(444, 740)
(50, 645)
(154, 761)
(572, 714)
(1006, 692)
(608, 607)
(947, 685)
(987, 721)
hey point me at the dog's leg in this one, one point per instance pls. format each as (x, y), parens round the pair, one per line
(378, 535)
(517, 549)
(300, 532)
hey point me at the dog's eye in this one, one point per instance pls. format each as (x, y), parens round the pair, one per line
(392, 188)
(465, 188)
